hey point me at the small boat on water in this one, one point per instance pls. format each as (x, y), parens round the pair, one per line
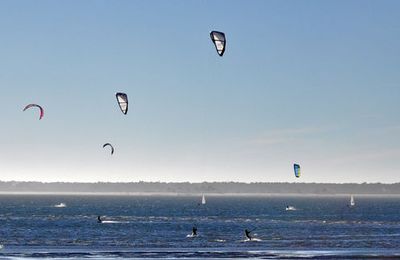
(60, 205)
(203, 200)
(352, 202)
(290, 208)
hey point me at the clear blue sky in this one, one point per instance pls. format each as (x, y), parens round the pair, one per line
(312, 82)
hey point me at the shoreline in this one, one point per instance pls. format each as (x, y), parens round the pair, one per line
(171, 194)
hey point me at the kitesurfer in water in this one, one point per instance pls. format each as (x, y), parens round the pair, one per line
(247, 234)
(99, 219)
(194, 231)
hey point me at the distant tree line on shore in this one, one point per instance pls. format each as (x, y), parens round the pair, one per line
(203, 187)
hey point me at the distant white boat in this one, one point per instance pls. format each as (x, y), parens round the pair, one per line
(352, 202)
(203, 200)
(61, 205)
(290, 208)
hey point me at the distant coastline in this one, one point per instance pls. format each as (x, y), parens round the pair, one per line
(186, 188)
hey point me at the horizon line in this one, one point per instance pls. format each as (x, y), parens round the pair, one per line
(187, 182)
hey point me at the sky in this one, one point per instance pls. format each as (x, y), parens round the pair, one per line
(308, 82)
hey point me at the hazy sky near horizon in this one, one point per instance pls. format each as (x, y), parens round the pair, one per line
(312, 82)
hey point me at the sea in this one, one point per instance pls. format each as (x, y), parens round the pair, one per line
(319, 227)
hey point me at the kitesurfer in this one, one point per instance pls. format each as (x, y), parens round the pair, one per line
(194, 231)
(99, 219)
(247, 234)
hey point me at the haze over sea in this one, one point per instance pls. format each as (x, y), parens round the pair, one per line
(324, 227)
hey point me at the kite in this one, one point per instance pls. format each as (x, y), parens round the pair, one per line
(34, 105)
(122, 99)
(219, 41)
(108, 144)
(296, 170)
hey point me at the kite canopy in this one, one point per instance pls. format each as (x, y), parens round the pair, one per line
(296, 170)
(35, 105)
(219, 41)
(108, 144)
(122, 99)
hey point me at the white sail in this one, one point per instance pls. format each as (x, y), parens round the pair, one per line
(352, 202)
(61, 205)
(203, 200)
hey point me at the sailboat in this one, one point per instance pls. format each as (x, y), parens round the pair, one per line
(61, 205)
(203, 200)
(352, 202)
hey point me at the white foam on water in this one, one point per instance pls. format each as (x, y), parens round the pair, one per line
(113, 222)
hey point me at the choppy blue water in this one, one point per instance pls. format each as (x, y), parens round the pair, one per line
(157, 227)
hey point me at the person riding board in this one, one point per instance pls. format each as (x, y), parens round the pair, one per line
(247, 234)
(99, 219)
(194, 231)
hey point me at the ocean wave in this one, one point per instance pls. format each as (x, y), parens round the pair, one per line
(194, 254)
